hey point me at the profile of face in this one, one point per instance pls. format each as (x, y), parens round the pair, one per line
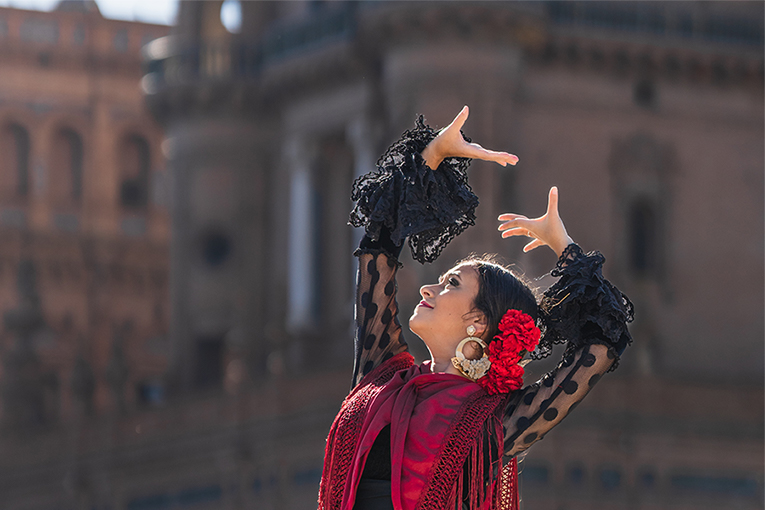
(447, 309)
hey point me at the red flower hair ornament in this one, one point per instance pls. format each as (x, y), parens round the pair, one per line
(519, 335)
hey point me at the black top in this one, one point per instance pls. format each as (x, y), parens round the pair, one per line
(378, 466)
(404, 199)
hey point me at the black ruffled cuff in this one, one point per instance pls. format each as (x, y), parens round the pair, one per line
(382, 245)
(410, 200)
(582, 307)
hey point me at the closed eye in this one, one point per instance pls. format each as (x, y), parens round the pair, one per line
(449, 279)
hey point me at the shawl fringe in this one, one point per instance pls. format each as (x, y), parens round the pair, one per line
(344, 433)
(467, 468)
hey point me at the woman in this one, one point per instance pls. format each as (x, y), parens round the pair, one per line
(445, 433)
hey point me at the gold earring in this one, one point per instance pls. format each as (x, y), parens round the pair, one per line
(471, 368)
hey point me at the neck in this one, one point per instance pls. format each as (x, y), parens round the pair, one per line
(439, 365)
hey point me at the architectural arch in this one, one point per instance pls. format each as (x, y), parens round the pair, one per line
(641, 170)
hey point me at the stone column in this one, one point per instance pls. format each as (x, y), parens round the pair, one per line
(217, 257)
(301, 239)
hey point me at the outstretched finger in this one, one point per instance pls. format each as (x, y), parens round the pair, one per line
(552, 202)
(519, 231)
(503, 158)
(536, 243)
(510, 216)
(460, 119)
(516, 223)
(475, 151)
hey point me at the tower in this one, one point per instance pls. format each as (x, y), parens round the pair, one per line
(217, 147)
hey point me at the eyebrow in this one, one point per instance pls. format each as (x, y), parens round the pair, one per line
(452, 273)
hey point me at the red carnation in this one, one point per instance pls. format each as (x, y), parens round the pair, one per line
(519, 333)
(502, 379)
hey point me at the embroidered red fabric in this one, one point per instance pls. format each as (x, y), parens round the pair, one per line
(440, 423)
(344, 432)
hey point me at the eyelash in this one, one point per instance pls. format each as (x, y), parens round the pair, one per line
(449, 281)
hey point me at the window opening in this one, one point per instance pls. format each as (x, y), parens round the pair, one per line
(642, 234)
(21, 150)
(135, 161)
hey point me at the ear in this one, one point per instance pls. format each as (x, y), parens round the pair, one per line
(481, 324)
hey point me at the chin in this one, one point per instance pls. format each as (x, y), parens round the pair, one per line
(414, 323)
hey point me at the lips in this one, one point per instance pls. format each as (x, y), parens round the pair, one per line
(425, 304)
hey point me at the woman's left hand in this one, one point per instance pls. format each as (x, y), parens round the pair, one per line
(545, 230)
(450, 144)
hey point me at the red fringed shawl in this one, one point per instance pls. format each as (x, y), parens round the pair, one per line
(438, 423)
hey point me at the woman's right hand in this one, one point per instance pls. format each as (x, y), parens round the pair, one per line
(545, 230)
(450, 144)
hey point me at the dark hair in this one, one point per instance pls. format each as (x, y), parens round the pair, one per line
(499, 290)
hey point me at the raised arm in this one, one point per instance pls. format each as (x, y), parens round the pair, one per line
(378, 331)
(587, 313)
(420, 194)
(583, 310)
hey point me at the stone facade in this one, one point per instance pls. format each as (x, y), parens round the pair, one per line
(83, 236)
(647, 116)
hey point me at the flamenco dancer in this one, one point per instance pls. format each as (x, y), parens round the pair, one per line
(445, 434)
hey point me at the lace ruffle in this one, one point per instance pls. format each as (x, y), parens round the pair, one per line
(582, 307)
(428, 207)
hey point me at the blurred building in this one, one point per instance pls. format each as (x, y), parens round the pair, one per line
(83, 232)
(649, 118)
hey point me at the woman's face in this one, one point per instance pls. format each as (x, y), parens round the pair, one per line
(444, 313)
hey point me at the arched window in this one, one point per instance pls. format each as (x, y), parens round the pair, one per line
(643, 239)
(15, 150)
(135, 161)
(66, 165)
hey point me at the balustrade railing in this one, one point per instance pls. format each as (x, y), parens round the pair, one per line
(655, 19)
(170, 61)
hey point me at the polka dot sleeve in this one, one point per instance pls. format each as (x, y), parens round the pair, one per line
(584, 311)
(378, 331)
(535, 409)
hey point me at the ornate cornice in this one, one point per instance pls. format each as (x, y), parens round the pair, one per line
(644, 60)
(346, 44)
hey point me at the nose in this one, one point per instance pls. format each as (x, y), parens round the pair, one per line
(426, 291)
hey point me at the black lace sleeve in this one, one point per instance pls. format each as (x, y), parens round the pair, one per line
(583, 309)
(378, 331)
(412, 201)
(402, 199)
